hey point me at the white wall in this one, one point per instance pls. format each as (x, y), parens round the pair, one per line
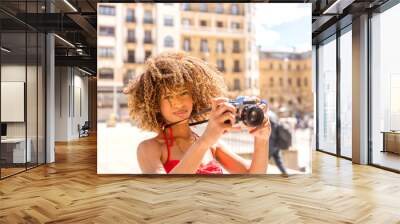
(71, 94)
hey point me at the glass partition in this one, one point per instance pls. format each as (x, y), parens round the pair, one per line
(327, 96)
(22, 76)
(385, 89)
(346, 93)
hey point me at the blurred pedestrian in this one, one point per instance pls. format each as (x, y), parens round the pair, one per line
(275, 141)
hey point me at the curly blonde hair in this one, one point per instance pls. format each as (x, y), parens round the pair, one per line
(168, 71)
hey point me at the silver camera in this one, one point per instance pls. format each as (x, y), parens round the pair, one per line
(248, 110)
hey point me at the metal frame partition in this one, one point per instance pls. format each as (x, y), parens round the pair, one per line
(43, 94)
(382, 8)
(339, 28)
(338, 33)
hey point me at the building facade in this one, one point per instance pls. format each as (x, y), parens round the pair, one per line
(286, 81)
(220, 33)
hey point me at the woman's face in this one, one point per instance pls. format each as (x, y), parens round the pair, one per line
(176, 105)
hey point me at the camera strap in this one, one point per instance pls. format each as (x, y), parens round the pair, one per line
(194, 123)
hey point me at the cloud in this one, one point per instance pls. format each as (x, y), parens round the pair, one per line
(278, 26)
(267, 36)
(276, 14)
(306, 46)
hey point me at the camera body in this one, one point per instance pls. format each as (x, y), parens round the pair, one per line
(248, 110)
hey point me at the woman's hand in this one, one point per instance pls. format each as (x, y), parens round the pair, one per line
(263, 131)
(221, 111)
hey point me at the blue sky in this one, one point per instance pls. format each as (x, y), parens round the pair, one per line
(283, 26)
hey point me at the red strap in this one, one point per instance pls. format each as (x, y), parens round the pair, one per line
(171, 136)
(166, 141)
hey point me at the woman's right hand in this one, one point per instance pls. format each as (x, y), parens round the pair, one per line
(221, 111)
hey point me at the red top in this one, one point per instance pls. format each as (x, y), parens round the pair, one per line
(211, 167)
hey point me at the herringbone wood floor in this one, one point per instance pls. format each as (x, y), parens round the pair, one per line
(70, 191)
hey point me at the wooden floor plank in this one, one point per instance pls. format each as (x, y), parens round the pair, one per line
(70, 191)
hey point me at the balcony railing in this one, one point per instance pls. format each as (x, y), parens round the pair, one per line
(236, 50)
(131, 60)
(130, 19)
(148, 21)
(187, 49)
(236, 69)
(131, 40)
(220, 50)
(148, 41)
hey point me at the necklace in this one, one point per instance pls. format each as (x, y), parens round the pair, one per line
(193, 138)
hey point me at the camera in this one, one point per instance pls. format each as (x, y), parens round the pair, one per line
(248, 110)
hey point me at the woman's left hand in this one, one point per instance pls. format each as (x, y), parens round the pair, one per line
(264, 130)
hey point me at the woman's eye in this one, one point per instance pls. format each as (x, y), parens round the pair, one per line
(184, 93)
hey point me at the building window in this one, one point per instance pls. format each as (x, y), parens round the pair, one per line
(106, 73)
(271, 66)
(236, 84)
(204, 45)
(289, 67)
(130, 16)
(236, 46)
(186, 44)
(106, 52)
(186, 22)
(221, 65)
(280, 67)
(131, 56)
(219, 8)
(106, 31)
(299, 99)
(305, 82)
(236, 66)
(168, 21)
(298, 82)
(148, 17)
(203, 7)
(271, 82)
(220, 24)
(185, 6)
(203, 23)
(271, 100)
(220, 46)
(131, 36)
(280, 81)
(289, 81)
(168, 41)
(235, 25)
(234, 9)
(147, 37)
(147, 54)
(107, 10)
(298, 67)
(129, 75)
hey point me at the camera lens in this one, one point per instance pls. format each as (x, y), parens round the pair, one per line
(252, 116)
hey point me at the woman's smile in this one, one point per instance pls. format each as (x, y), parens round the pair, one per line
(181, 113)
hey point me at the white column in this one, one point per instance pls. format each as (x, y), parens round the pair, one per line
(360, 90)
(50, 99)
